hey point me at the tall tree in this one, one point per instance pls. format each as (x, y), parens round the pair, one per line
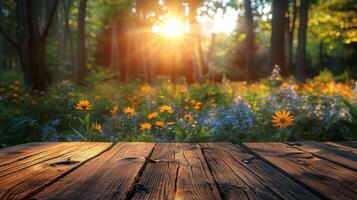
(250, 47)
(31, 41)
(290, 30)
(2, 64)
(301, 51)
(81, 65)
(277, 50)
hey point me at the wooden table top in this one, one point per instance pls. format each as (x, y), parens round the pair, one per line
(94, 170)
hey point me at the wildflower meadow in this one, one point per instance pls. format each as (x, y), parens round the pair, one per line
(274, 109)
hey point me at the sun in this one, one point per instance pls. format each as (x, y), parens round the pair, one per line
(172, 27)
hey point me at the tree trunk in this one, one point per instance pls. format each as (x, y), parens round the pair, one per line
(81, 46)
(290, 39)
(249, 60)
(2, 44)
(203, 61)
(277, 50)
(211, 47)
(301, 51)
(64, 43)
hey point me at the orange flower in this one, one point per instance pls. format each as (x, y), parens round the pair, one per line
(193, 102)
(153, 115)
(14, 95)
(129, 111)
(282, 119)
(145, 126)
(160, 124)
(188, 117)
(187, 108)
(97, 97)
(212, 101)
(114, 110)
(83, 105)
(197, 107)
(166, 108)
(98, 127)
(187, 100)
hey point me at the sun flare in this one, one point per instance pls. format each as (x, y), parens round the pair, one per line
(172, 27)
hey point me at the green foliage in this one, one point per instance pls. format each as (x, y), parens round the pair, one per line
(352, 122)
(325, 76)
(10, 76)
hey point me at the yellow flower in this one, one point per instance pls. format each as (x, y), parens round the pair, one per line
(153, 115)
(83, 105)
(166, 108)
(160, 124)
(145, 126)
(129, 111)
(114, 110)
(282, 119)
(188, 117)
(98, 127)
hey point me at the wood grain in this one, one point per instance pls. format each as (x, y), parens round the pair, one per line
(327, 178)
(108, 176)
(329, 151)
(351, 144)
(19, 152)
(243, 176)
(177, 171)
(26, 176)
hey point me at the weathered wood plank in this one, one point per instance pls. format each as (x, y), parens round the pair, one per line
(60, 150)
(329, 179)
(20, 152)
(351, 144)
(108, 176)
(331, 152)
(177, 171)
(22, 178)
(243, 176)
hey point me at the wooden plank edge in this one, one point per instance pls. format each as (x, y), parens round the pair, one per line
(135, 185)
(42, 188)
(293, 178)
(296, 146)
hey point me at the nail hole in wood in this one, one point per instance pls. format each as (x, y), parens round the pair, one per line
(64, 163)
(130, 158)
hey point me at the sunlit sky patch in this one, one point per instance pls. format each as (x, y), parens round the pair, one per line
(221, 22)
(218, 21)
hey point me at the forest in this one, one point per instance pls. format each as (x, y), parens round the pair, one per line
(178, 70)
